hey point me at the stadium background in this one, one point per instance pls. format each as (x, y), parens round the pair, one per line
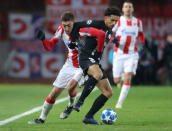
(24, 64)
(23, 58)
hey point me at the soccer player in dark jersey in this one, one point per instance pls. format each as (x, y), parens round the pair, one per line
(111, 17)
(89, 57)
(71, 66)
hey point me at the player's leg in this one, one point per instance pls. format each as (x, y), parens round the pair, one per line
(71, 86)
(130, 66)
(59, 84)
(72, 91)
(86, 91)
(95, 74)
(78, 79)
(47, 106)
(117, 68)
(125, 89)
(106, 90)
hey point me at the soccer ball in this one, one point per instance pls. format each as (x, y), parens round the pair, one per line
(108, 116)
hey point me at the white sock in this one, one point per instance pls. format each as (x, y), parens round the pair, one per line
(72, 99)
(122, 77)
(47, 106)
(123, 94)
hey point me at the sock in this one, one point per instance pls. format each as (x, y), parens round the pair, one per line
(97, 105)
(124, 92)
(122, 77)
(89, 86)
(72, 98)
(48, 104)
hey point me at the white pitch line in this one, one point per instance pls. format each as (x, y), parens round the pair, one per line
(36, 109)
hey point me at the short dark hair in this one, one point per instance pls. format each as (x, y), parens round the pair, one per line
(112, 11)
(67, 16)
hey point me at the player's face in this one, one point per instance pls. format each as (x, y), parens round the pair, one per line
(111, 20)
(67, 26)
(127, 9)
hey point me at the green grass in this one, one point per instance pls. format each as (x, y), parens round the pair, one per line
(146, 108)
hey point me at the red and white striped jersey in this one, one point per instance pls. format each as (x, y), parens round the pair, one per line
(72, 55)
(127, 32)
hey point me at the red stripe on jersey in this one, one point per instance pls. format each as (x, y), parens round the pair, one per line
(138, 22)
(59, 28)
(129, 23)
(117, 45)
(127, 44)
(62, 32)
(75, 58)
(135, 45)
(70, 38)
(119, 22)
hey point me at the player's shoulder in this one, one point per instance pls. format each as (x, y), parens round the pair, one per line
(59, 30)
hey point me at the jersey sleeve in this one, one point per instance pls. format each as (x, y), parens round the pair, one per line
(50, 44)
(98, 34)
(89, 23)
(141, 33)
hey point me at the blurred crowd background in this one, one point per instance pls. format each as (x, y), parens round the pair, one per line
(23, 58)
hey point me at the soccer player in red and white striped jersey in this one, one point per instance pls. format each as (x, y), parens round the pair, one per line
(125, 59)
(71, 67)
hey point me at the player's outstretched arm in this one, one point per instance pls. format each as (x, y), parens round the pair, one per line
(48, 44)
(98, 34)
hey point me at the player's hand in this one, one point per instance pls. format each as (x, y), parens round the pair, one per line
(98, 56)
(72, 45)
(41, 35)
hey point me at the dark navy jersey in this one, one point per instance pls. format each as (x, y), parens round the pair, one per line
(99, 24)
(88, 45)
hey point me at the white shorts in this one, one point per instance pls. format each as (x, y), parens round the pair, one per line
(67, 73)
(123, 63)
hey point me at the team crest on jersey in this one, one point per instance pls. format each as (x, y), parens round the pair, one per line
(92, 60)
(89, 22)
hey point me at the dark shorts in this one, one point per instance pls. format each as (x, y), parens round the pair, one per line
(86, 62)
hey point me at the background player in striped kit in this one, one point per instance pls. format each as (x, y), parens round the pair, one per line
(125, 57)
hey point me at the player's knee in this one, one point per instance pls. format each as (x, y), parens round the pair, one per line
(98, 75)
(71, 85)
(108, 94)
(127, 79)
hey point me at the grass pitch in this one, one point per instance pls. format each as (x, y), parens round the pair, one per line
(147, 108)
